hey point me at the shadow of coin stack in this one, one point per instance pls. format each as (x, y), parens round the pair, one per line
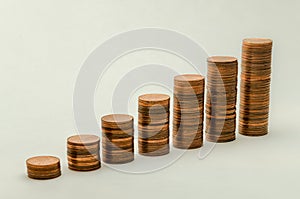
(255, 86)
(153, 110)
(188, 111)
(43, 167)
(221, 98)
(117, 139)
(83, 152)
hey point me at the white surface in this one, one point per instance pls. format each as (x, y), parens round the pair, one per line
(42, 46)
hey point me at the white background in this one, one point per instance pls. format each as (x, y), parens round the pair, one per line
(44, 43)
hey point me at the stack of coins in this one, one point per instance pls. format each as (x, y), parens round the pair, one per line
(153, 122)
(43, 167)
(83, 152)
(255, 87)
(188, 111)
(117, 138)
(221, 98)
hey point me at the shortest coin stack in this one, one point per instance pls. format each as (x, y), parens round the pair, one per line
(43, 167)
(83, 152)
(117, 138)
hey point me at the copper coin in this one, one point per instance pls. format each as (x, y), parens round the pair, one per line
(154, 135)
(220, 139)
(155, 151)
(152, 99)
(43, 162)
(195, 143)
(83, 140)
(44, 176)
(84, 168)
(117, 121)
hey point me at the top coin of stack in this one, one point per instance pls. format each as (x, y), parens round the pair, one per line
(221, 99)
(255, 86)
(83, 152)
(117, 138)
(43, 167)
(188, 111)
(154, 124)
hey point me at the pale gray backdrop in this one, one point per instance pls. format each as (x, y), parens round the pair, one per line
(44, 43)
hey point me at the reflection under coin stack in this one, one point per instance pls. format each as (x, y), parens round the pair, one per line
(117, 138)
(188, 111)
(255, 87)
(43, 167)
(153, 110)
(221, 99)
(83, 152)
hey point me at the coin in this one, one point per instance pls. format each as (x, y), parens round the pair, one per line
(117, 121)
(150, 147)
(83, 140)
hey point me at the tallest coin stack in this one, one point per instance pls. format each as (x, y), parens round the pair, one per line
(255, 87)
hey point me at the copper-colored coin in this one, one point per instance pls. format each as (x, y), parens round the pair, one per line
(153, 116)
(83, 164)
(189, 144)
(152, 99)
(257, 42)
(83, 152)
(118, 151)
(155, 150)
(220, 138)
(154, 135)
(221, 59)
(120, 143)
(154, 109)
(153, 120)
(120, 158)
(85, 159)
(117, 121)
(43, 162)
(91, 156)
(153, 128)
(44, 175)
(186, 128)
(150, 147)
(118, 132)
(116, 136)
(83, 140)
(188, 132)
(78, 148)
(188, 79)
(85, 167)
